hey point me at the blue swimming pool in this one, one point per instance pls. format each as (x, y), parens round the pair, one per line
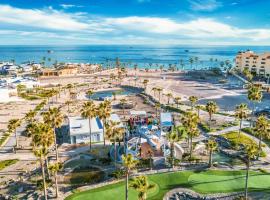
(108, 94)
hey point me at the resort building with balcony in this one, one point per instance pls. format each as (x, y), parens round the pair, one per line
(258, 64)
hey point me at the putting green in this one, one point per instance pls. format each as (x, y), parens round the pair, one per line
(204, 182)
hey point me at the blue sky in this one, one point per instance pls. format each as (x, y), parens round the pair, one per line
(153, 22)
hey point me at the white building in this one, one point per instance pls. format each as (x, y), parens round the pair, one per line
(79, 130)
(256, 63)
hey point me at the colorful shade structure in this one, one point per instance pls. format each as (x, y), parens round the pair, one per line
(166, 120)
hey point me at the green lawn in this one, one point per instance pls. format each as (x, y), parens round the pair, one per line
(6, 163)
(235, 140)
(203, 182)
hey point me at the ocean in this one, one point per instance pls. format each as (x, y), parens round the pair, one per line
(143, 56)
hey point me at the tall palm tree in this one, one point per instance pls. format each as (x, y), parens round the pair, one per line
(172, 137)
(157, 106)
(196, 60)
(41, 153)
(154, 89)
(89, 93)
(123, 103)
(262, 130)
(104, 112)
(177, 101)
(89, 111)
(145, 82)
(191, 61)
(113, 132)
(13, 124)
(55, 119)
(141, 185)
(241, 113)
(211, 146)
(190, 122)
(211, 108)
(198, 108)
(169, 96)
(129, 163)
(159, 90)
(193, 100)
(29, 117)
(54, 169)
(43, 138)
(250, 153)
(254, 95)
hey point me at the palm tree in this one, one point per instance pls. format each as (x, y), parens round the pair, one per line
(104, 112)
(154, 89)
(241, 113)
(112, 132)
(196, 60)
(193, 100)
(141, 185)
(145, 82)
(54, 168)
(255, 95)
(89, 111)
(13, 124)
(211, 107)
(157, 106)
(43, 137)
(172, 137)
(90, 93)
(262, 130)
(129, 163)
(198, 108)
(211, 146)
(29, 117)
(177, 101)
(68, 102)
(123, 103)
(41, 153)
(190, 122)
(169, 96)
(250, 153)
(191, 61)
(55, 119)
(159, 90)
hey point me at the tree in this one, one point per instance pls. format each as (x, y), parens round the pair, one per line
(177, 101)
(193, 100)
(112, 132)
(250, 153)
(241, 113)
(55, 119)
(29, 117)
(104, 112)
(211, 107)
(191, 61)
(129, 163)
(123, 103)
(157, 106)
(141, 185)
(90, 93)
(262, 130)
(89, 111)
(154, 89)
(198, 108)
(172, 137)
(68, 102)
(159, 90)
(211, 146)
(13, 124)
(43, 138)
(145, 82)
(190, 122)
(254, 95)
(169, 96)
(54, 168)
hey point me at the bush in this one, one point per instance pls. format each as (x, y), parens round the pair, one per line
(118, 174)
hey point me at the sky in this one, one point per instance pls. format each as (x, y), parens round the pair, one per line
(132, 22)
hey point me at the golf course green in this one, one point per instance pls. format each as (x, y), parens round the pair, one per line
(211, 181)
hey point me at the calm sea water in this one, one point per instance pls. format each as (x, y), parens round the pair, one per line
(143, 56)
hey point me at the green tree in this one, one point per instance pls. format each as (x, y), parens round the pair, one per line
(254, 95)
(54, 169)
(104, 112)
(193, 100)
(172, 137)
(55, 119)
(211, 146)
(241, 113)
(141, 185)
(177, 101)
(211, 108)
(250, 153)
(89, 111)
(13, 124)
(169, 96)
(129, 163)
(262, 130)
(145, 82)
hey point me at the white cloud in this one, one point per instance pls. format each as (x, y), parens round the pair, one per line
(56, 25)
(48, 19)
(67, 6)
(204, 5)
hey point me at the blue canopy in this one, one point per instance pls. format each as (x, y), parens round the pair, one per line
(166, 119)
